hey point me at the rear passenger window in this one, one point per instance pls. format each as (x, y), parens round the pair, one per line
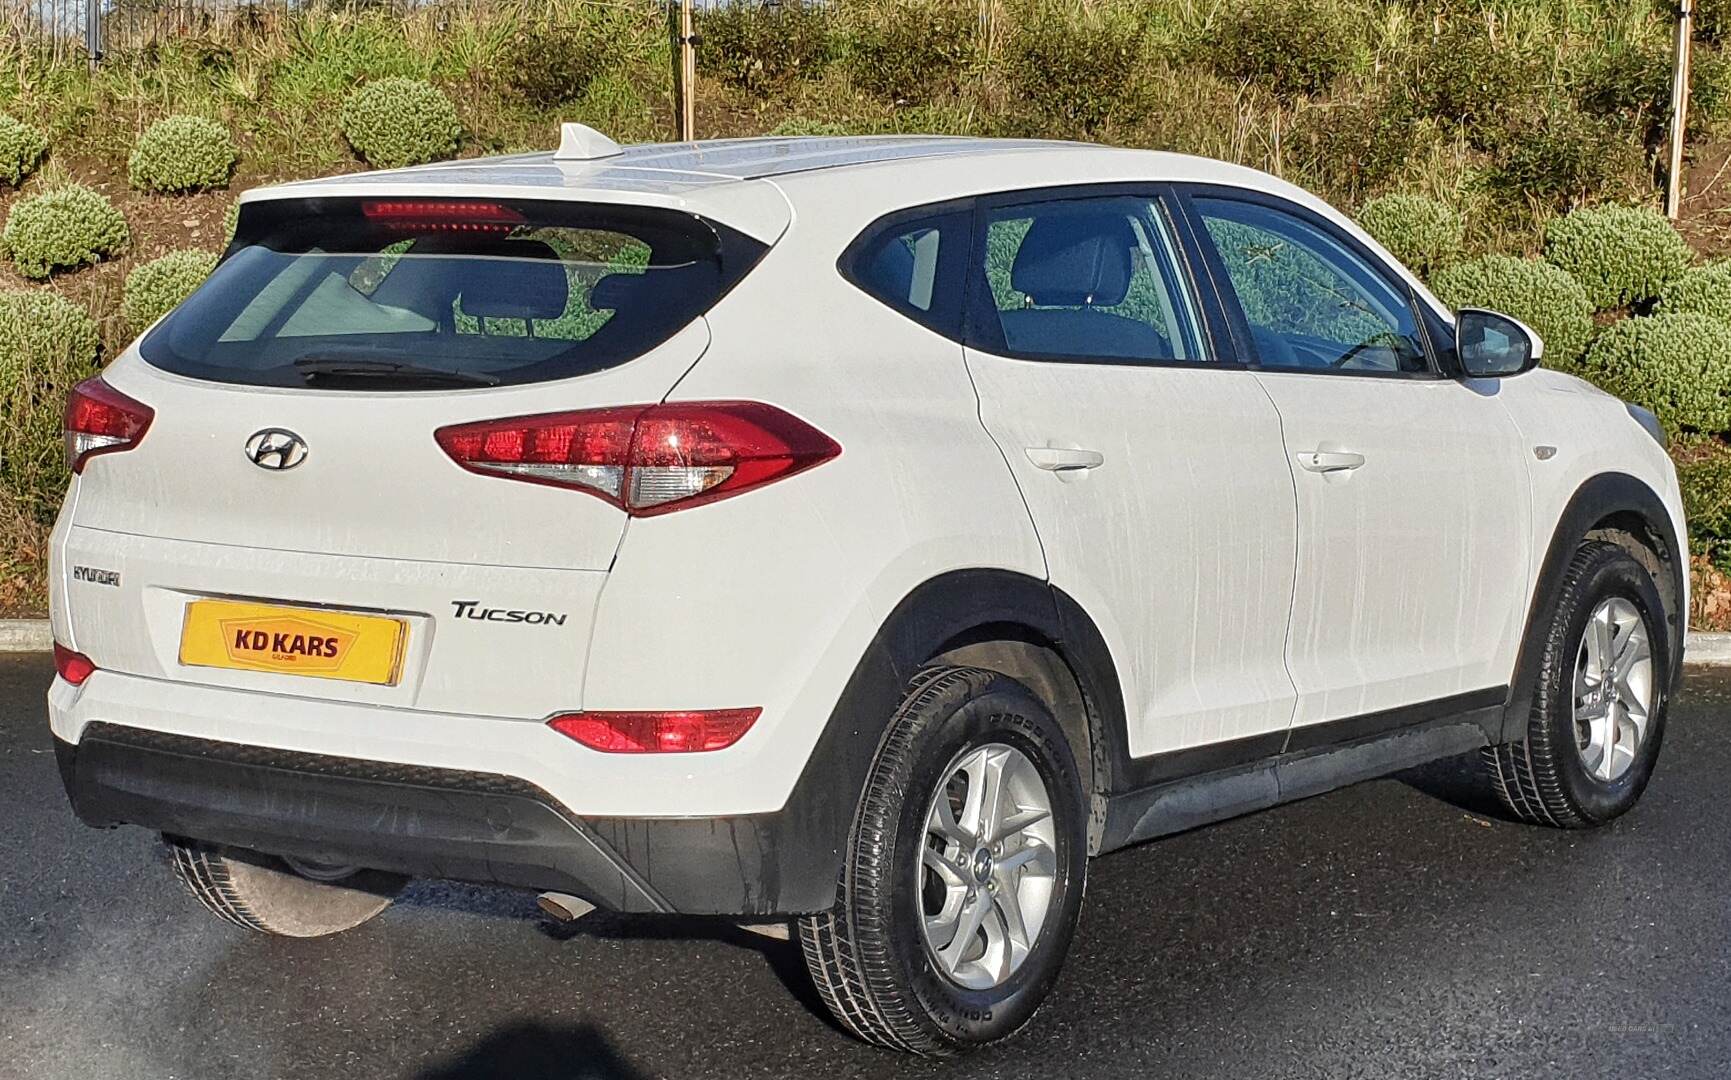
(1085, 279)
(915, 264)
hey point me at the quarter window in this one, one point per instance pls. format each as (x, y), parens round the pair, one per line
(915, 266)
(1084, 279)
(1311, 302)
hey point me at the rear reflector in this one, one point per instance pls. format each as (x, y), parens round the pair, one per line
(645, 459)
(74, 667)
(101, 420)
(656, 732)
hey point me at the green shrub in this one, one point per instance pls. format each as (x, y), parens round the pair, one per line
(1420, 231)
(182, 153)
(158, 286)
(230, 220)
(1705, 478)
(1294, 47)
(911, 50)
(47, 344)
(1713, 20)
(65, 228)
(552, 65)
(1623, 255)
(763, 48)
(397, 122)
(1074, 68)
(1679, 366)
(22, 147)
(1563, 157)
(1632, 82)
(1704, 290)
(1463, 76)
(1544, 297)
(1355, 145)
(799, 125)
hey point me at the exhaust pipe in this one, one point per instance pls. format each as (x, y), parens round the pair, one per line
(563, 906)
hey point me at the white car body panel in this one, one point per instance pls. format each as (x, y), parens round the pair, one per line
(1412, 568)
(1180, 546)
(1591, 434)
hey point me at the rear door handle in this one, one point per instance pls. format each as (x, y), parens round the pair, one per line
(1328, 461)
(1062, 459)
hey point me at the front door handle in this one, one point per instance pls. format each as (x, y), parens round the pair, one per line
(1062, 459)
(1329, 461)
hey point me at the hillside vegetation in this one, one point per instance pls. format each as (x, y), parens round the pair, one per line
(1487, 119)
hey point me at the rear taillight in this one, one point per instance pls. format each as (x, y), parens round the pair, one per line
(656, 732)
(645, 459)
(74, 667)
(101, 420)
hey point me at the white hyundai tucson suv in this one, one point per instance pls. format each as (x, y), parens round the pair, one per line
(856, 532)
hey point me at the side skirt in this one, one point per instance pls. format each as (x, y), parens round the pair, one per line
(1317, 759)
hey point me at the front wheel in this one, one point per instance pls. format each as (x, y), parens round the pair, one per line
(964, 871)
(1599, 706)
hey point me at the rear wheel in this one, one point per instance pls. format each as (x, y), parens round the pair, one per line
(964, 871)
(271, 895)
(1599, 706)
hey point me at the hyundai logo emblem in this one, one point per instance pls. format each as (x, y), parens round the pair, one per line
(276, 449)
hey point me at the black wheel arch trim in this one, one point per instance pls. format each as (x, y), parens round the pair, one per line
(954, 608)
(1601, 498)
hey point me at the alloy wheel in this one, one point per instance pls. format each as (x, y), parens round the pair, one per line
(987, 867)
(1613, 688)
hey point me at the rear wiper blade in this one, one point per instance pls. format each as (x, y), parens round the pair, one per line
(313, 367)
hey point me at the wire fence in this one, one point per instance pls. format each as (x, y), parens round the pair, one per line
(90, 28)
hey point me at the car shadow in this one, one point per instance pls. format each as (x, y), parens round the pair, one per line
(527, 1051)
(784, 958)
(1459, 781)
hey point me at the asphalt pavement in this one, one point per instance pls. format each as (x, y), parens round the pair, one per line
(1375, 933)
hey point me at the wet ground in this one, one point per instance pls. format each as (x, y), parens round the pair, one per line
(1377, 932)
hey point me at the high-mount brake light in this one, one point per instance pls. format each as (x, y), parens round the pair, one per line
(101, 420)
(442, 215)
(684, 732)
(645, 459)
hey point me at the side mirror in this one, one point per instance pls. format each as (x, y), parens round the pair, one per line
(1494, 346)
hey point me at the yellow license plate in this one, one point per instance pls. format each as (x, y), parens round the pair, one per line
(293, 641)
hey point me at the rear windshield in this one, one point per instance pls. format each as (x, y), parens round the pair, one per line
(394, 294)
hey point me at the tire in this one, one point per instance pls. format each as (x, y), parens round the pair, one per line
(1548, 777)
(880, 966)
(264, 894)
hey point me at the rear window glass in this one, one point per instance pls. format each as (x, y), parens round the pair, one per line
(394, 294)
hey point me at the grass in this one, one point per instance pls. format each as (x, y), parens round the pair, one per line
(1369, 123)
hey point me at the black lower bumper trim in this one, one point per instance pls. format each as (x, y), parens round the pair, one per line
(419, 821)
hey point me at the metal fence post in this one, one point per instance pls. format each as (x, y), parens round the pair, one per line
(1679, 108)
(93, 31)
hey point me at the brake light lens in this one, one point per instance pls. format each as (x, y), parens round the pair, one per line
(645, 459)
(442, 215)
(656, 732)
(74, 667)
(102, 420)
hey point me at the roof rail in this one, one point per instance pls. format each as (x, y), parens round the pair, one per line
(580, 142)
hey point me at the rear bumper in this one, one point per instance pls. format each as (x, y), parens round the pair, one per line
(430, 822)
